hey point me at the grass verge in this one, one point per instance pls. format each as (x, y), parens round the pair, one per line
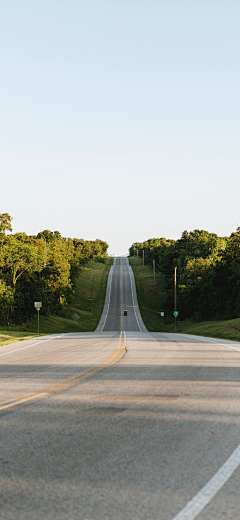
(151, 304)
(90, 289)
(12, 336)
(149, 300)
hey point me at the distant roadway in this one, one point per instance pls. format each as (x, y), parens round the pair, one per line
(121, 294)
(120, 424)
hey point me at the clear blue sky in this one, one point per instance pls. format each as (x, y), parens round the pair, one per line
(120, 119)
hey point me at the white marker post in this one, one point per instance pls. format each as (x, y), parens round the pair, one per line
(38, 306)
(162, 314)
(154, 274)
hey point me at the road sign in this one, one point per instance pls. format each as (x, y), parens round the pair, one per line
(162, 313)
(75, 317)
(175, 314)
(38, 305)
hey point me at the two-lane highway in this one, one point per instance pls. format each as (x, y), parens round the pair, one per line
(121, 295)
(120, 424)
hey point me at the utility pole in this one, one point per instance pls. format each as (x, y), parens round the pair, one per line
(143, 257)
(154, 274)
(175, 295)
(134, 250)
(137, 255)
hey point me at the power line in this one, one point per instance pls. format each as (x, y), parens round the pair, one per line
(149, 260)
(160, 267)
(233, 225)
(169, 273)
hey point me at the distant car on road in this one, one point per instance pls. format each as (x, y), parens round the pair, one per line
(125, 312)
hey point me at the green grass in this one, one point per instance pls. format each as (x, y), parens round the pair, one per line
(151, 304)
(150, 301)
(225, 329)
(90, 289)
(12, 336)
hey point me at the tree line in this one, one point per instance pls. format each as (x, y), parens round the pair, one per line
(40, 267)
(208, 273)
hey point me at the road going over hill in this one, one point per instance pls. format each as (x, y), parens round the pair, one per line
(121, 295)
(120, 424)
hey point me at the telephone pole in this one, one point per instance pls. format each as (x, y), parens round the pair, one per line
(143, 257)
(175, 295)
(137, 255)
(154, 274)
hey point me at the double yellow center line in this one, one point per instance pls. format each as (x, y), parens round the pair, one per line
(66, 383)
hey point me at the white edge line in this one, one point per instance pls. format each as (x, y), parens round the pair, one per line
(33, 344)
(108, 299)
(208, 340)
(205, 495)
(130, 272)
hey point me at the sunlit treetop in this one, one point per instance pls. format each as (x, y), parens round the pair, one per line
(5, 223)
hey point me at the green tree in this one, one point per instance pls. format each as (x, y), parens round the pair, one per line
(5, 223)
(17, 257)
(6, 302)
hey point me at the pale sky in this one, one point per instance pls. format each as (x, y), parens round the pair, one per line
(120, 118)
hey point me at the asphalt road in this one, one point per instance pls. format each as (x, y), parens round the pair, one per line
(121, 295)
(120, 424)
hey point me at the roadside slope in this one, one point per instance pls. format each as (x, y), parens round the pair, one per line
(90, 289)
(152, 303)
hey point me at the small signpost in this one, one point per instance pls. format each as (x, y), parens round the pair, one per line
(154, 274)
(38, 306)
(75, 318)
(175, 314)
(162, 314)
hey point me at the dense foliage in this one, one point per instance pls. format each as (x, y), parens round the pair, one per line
(208, 272)
(40, 268)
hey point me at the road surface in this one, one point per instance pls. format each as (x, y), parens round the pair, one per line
(120, 424)
(121, 294)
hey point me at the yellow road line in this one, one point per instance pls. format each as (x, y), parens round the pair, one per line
(70, 381)
(29, 394)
